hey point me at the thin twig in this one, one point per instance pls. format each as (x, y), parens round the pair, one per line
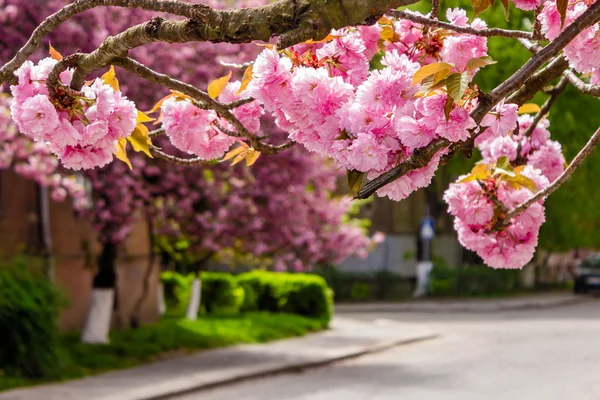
(546, 106)
(585, 151)
(172, 159)
(236, 66)
(585, 88)
(435, 9)
(156, 133)
(459, 29)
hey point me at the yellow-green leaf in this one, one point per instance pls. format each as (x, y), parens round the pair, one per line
(239, 158)
(139, 139)
(428, 70)
(355, 179)
(479, 62)
(457, 84)
(216, 87)
(142, 117)
(121, 152)
(388, 33)
(326, 39)
(55, 54)
(529, 108)
(479, 172)
(525, 182)
(110, 78)
(233, 153)
(245, 79)
(251, 157)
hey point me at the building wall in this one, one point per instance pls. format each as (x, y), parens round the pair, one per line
(75, 251)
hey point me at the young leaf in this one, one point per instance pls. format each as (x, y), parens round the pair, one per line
(430, 69)
(355, 179)
(142, 117)
(503, 167)
(479, 62)
(457, 85)
(110, 78)
(529, 108)
(518, 169)
(480, 6)
(245, 79)
(55, 54)
(561, 7)
(239, 157)
(216, 87)
(388, 33)
(448, 105)
(252, 156)
(121, 152)
(505, 5)
(479, 172)
(233, 153)
(326, 39)
(525, 182)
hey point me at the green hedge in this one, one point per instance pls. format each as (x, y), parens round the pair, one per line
(477, 280)
(302, 294)
(29, 310)
(221, 293)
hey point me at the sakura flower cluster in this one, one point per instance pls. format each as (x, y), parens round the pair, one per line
(581, 52)
(477, 205)
(82, 132)
(367, 119)
(535, 149)
(199, 131)
(34, 161)
(480, 201)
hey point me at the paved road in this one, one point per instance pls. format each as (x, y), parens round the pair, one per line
(538, 354)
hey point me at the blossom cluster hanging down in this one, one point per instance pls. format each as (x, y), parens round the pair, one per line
(82, 131)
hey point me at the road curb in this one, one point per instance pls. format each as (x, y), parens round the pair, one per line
(440, 307)
(294, 367)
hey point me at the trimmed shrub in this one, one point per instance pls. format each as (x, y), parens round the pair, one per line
(221, 293)
(29, 310)
(176, 289)
(303, 294)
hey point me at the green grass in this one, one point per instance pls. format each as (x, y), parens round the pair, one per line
(149, 343)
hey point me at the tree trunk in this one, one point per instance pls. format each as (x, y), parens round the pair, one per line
(134, 319)
(97, 324)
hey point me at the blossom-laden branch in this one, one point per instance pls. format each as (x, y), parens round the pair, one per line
(556, 91)
(294, 21)
(585, 151)
(489, 100)
(203, 100)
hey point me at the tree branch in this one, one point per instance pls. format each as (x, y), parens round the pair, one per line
(585, 151)
(459, 29)
(546, 106)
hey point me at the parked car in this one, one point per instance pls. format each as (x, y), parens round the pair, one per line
(587, 275)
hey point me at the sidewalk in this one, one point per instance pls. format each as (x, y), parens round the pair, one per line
(526, 302)
(346, 339)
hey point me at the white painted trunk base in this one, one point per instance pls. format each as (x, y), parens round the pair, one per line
(97, 324)
(423, 270)
(160, 299)
(194, 304)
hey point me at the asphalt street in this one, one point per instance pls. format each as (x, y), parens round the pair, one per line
(551, 354)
